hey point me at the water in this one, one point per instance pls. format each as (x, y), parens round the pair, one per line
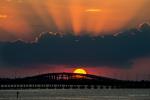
(76, 94)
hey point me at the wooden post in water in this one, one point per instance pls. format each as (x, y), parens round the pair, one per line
(17, 95)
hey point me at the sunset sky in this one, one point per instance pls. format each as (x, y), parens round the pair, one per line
(26, 20)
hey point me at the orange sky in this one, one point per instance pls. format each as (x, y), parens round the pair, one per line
(27, 18)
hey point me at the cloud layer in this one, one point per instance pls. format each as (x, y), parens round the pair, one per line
(112, 50)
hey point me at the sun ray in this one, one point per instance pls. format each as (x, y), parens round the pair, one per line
(93, 10)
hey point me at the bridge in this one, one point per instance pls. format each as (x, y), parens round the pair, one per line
(69, 80)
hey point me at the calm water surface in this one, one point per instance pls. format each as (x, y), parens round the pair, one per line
(76, 94)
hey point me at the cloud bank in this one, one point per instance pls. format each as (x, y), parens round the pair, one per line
(116, 50)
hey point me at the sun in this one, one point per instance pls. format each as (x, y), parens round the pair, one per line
(80, 71)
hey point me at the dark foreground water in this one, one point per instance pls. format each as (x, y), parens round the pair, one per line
(77, 94)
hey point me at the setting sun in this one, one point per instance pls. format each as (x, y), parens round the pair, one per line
(79, 71)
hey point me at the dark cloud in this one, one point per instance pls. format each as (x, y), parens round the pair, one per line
(113, 50)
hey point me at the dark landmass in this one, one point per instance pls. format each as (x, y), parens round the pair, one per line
(70, 80)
